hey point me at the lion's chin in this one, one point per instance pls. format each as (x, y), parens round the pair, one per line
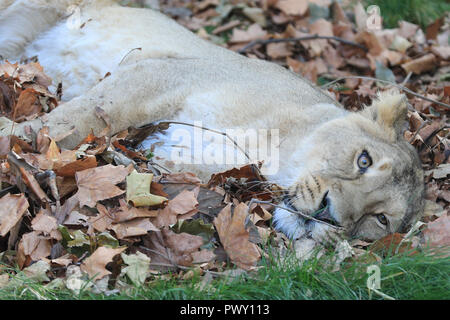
(323, 212)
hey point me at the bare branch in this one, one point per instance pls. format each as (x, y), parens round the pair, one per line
(329, 84)
(298, 39)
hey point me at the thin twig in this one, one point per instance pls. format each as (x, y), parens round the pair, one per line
(383, 295)
(329, 84)
(214, 273)
(407, 78)
(293, 211)
(212, 130)
(437, 144)
(426, 122)
(312, 37)
(128, 54)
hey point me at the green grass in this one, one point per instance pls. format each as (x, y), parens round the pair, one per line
(402, 277)
(421, 12)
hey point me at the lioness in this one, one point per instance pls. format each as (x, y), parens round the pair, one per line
(357, 164)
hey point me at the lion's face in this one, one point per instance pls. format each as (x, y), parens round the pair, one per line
(362, 170)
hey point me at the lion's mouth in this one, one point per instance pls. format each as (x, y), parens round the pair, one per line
(322, 213)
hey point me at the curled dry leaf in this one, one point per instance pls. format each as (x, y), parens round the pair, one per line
(29, 72)
(70, 165)
(95, 265)
(183, 206)
(12, 208)
(249, 172)
(172, 248)
(45, 224)
(103, 220)
(99, 184)
(32, 247)
(181, 177)
(126, 213)
(419, 65)
(31, 182)
(27, 104)
(235, 238)
(135, 227)
(138, 190)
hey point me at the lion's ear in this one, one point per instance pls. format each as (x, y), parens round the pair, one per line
(389, 110)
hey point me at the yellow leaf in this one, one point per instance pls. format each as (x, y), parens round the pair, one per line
(138, 190)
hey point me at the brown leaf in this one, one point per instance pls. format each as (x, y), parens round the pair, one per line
(293, 7)
(181, 177)
(31, 182)
(338, 13)
(419, 65)
(95, 265)
(235, 238)
(69, 169)
(27, 104)
(44, 223)
(126, 213)
(32, 247)
(433, 29)
(103, 220)
(169, 247)
(182, 243)
(136, 227)
(99, 184)
(254, 32)
(184, 205)
(202, 256)
(371, 41)
(12, 208)
(65, 185)
(278, 50)
(320, 27)
(249, 171)
(8, 69)
(34, 72)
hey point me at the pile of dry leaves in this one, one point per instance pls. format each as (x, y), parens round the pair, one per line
(103, 212)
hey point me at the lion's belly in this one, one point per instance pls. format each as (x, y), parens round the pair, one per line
(206, 150)
(80, 57)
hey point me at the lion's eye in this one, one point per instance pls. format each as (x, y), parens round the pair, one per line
(382, 219)
(364, 160)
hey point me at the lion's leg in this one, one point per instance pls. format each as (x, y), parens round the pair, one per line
(134, 95)
(21, 21)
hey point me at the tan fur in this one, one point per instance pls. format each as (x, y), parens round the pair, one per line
(177, 75)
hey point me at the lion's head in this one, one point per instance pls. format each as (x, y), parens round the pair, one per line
(361, 169)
